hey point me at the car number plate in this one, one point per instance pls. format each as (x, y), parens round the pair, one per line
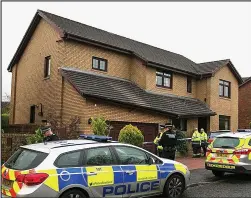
(7, 183)
(222, 155)
(220, 166)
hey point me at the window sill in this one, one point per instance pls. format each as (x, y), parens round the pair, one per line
(225, 98)
(46, 78)
(162, 87)
(100, 70)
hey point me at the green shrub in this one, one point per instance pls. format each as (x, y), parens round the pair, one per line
(35, 138)
(182, 146)
(99, 126)
(131, 135)
(5, 120)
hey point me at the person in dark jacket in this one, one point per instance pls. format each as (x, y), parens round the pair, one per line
(48, 134)
(169, 142)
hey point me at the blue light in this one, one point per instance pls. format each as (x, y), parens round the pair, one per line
(98, 138)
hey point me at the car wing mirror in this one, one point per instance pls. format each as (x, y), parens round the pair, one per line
(151, 161)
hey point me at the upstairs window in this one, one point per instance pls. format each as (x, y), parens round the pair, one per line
(47, 67)
(224, 89)
(99, 64)
(164, 79)
(189, 85)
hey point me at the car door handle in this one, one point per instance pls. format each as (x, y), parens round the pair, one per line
(130, 172)
(91, 173)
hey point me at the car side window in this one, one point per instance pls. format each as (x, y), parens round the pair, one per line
(71, 159)
(99, 156)
(129, 155)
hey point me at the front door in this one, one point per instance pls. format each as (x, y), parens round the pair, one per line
(102, 176)
(202, 123)
(140, 178)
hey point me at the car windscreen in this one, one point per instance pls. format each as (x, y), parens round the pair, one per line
(226, 142)
(24, 159)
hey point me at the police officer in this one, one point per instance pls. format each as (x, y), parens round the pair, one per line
(203, 141)
(48, 134)
(156, 141)
(196, 143)
(168, 141)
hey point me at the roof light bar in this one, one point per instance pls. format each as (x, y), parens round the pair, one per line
(97, 138)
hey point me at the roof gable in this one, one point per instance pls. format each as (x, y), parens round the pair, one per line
(210, 68)
(69, 29)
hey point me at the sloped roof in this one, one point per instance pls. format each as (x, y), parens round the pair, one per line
(245, 81)
(125, 92)
(210, 68)
(153, 56)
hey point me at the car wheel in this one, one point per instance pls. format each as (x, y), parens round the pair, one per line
(218, 173)
(74, 193)
(175, 186)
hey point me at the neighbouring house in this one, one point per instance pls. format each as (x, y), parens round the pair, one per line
(245, 103)
(72, 69)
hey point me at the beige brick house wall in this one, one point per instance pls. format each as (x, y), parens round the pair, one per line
(87, 108)
(31, 87)
(79, 55)
(203, 88)
(191, 125)
(138, 73)
(224, 106)
(179, 84)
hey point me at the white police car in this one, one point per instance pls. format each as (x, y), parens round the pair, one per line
(90, 167)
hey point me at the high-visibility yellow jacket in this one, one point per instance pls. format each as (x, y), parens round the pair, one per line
(204, 136)
(156, 141)
(196, 137)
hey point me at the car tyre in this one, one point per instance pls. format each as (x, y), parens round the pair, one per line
(74, 193)
(218, 173)
(175, 186)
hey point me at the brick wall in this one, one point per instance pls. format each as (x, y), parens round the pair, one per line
(245, 105)
(31, 87)
(224, 106)
(11, 142)
(191, 125)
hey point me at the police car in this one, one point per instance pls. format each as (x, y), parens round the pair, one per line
(230, 152)
(90, 167)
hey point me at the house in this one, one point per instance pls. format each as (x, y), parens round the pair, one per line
(245, 103)
(72, 69)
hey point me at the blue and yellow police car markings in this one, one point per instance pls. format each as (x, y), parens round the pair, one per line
(165, 170)
(118, 175)
(104, 176)
(129, 177)
(180, 168)
(70, 176)
(52, 180)
(146, 172)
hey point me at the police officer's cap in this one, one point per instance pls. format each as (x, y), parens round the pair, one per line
(45, 129)
(162, 126)
(168, 125)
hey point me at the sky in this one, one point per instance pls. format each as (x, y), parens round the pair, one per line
(201, 31)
